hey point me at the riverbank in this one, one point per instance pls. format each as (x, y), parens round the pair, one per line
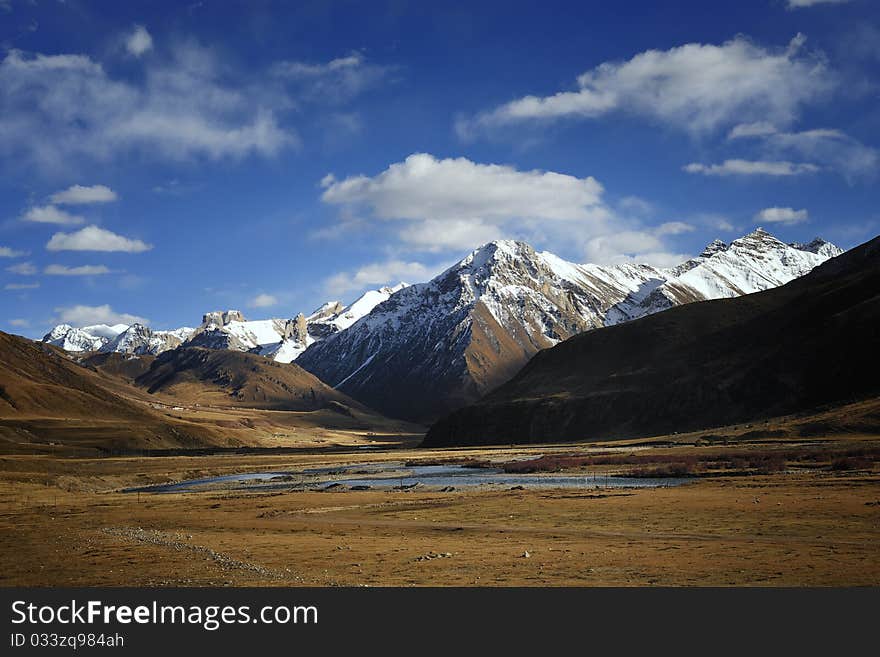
(66, 522)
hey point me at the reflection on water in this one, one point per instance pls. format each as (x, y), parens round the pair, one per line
(395, 475)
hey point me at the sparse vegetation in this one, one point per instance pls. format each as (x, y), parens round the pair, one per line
(649, 463)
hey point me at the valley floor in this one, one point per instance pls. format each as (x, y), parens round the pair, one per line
(64, 522)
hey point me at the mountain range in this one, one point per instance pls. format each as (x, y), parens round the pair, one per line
(420, 351)
(436, 346)
(809, 345)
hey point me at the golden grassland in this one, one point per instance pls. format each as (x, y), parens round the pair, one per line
(64, 521)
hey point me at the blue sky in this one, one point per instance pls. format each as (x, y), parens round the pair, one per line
(161, 160)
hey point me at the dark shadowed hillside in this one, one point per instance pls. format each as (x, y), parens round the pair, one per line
(810, 343)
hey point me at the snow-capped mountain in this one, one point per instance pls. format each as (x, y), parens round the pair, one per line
(435, 346)
(419, 351)
(282, 340)
(138, 340)
(87, 338)
(337, 318)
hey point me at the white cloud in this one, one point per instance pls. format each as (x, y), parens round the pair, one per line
(338, 80)
(452, 201)
(455, 204)
(23, 269)
(751, 168)
(19, 323)
(78, 195)
(138, 41)
(450, 234)
(635, 205)
(695, 87)
(787, 216)
(636, 246)
(83, 270)
(263, 301)
(87, 315)
(376, 274)
(797, 4)
(673, 228)
(832, 148)
(57, 108)
(757, 129)
(21, 286)
(715, 221)
(92, 238)
(6, 252)
(49, 214)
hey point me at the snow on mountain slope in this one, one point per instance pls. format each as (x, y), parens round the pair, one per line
(283, 340)
(820, 247)
(418, 351)
(87, 338)
(138, 340)
(332, 317)
(434, 346)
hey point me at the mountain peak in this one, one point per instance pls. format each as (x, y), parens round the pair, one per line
(759, 239)
(222, 318)
(494, 251)
(818, 246)
(713, 247)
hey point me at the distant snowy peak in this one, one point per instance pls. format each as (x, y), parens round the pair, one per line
(139, 340)
(87, 338)
(283, 340)
(819, 247)
(333, 316)
(755, 262)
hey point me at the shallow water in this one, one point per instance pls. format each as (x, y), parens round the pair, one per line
(385, 476)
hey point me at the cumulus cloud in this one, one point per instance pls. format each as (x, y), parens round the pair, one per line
(443, 235)
(79, 195)
(19, 323)
(751, 168)
(21, 286)
(93, 238)
(636, 246)
(378, 273)
(23, 269)
(49, 214)
(776, 215)
(80, 315)
(338, 80)
(83, 270)
(138, 41)
(6, 252)
(456, 202)
(55, 108)
(695, 87)
(263, 301)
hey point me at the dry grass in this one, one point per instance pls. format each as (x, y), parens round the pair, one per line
(62, 523)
